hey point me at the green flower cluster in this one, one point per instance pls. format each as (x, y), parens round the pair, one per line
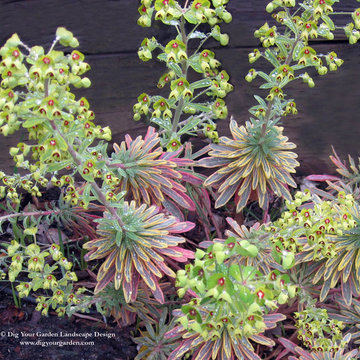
(169, 114)
(318, 332)
(55, 120)
(200, 11)
(229, 297)
(313, 227)
(35, 262)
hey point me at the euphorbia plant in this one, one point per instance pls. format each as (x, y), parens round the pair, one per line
(258, 162)
(327, 233)
(186, 110)
(233, 291)
(36, 95)
(231, 303)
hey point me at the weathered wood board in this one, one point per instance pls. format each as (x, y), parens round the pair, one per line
(109, 37)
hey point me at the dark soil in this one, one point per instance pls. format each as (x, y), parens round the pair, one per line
(25, 334)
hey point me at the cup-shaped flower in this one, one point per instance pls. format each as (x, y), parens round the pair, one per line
(23, 289)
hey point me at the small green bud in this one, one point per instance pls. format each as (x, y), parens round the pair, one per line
(13, 151)
(322, 70)
(224, 39)
(85, 82)
(181, 292)
(226, 16)
(270, 7)
(283, 298)
(199, 254)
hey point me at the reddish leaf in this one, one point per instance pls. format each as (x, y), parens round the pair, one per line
(176, 331)
(322, 178)
(181, 227)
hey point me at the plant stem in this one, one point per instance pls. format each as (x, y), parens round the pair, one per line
(177, 115)
(32, 213)
(193, 29)
(341, 13)
(16, 300)
(271, 102)
(201, 44)
(53, 44)
(200, 93)
(184, 68)
(78, 162)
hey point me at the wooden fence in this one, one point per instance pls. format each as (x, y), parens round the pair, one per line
(109, 37)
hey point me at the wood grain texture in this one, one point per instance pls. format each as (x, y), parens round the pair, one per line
(109, 37)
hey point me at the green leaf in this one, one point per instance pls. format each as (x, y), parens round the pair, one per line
(29, 103)
(200, 84)
(288, 260)
(14, 41)
(32, 122)
(162, 57)
(191, 125)
(245, 294)
(298, 67)
(325, 289)
(37, 284)
(200, 107)
(267, 86)
(265, 76)
(85, 142)
(190, 17)
(327, 20)
(176, 68)
(46, 155)
(234, 271)
(289, 23)
(285, 81)
(87, 193)
(281, 44)
(65, 36)
(197, 35)
(61, 142)
(260, 101)
(118, 237)
(162, 123)
(31, 230)
(270, 56)
(213, 280)
(193, 61)
(298, 47)
(67, 116)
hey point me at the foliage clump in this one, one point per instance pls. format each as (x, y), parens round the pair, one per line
(132, 206)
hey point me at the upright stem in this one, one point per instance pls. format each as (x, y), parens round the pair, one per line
(184, 68)
(271, 102)
(75, 155)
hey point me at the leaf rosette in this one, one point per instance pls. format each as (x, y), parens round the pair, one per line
(256, 161)
(138, 250)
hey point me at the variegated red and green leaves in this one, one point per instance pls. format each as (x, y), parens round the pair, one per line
(343, 268)
(257, 161)
(223, 345)
(137, 252)
(341, 354)
(149, 174)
